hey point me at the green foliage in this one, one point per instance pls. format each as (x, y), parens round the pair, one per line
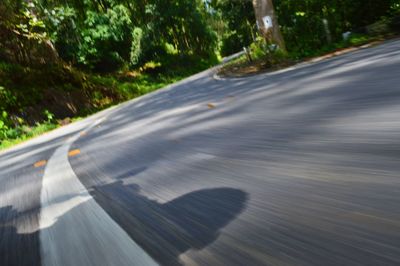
(7, 98)
(259, 48)
(4, 125)
(358, 39)
(182, 23)
(159, 41)
(107, 35)
(239, 22)
(63, 31)
(30, 26)
(49, 116)
(15, 135)
(22, 32)
(106, 39)
(302, 22)
(136, 46)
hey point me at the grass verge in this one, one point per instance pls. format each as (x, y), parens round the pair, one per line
(265, 60)
(24, 133)
(34, 101)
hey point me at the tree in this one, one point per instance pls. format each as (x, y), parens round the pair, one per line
(23, 35)
(267, 22)
(237, 21)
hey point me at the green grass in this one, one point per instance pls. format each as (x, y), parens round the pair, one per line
(145, 84)
(359, 39)
(24, 133)
(103, 91)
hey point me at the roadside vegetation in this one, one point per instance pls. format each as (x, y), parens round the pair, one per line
(307, 36)
(62, 60)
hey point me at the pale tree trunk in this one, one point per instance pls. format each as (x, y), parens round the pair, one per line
(263, 9)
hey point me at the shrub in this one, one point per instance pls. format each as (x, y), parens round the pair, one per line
(107, 39)
(136, 47)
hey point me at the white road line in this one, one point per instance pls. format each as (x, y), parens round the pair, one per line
(74, 229)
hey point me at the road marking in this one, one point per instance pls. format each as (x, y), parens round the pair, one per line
(99, 121)
(74, 153)
(210, 105)
(40, 163)
(74, 229)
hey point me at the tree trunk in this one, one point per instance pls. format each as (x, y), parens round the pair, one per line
(264, 9)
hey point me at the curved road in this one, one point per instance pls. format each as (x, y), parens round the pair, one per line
(295, 167)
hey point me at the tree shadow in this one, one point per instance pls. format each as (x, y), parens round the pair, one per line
(133, 172)
(191, 221)
(17, 248)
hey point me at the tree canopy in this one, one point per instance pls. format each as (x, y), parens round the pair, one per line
(109, 34)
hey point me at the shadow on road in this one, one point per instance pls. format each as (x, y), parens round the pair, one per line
(191, 221)
(17, 248)
(165, 231)
(332, 124)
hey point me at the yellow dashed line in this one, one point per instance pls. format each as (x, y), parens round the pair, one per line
(74, 152)
(40, 163)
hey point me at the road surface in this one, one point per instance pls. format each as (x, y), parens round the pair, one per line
(295, 167)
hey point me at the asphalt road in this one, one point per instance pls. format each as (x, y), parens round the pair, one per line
(295, 167)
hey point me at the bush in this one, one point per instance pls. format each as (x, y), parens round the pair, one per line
(64, 32)
(7, 99)
(379, 27)
(395, 23)
(231, 44)
(107, 39)
(358, 39)
(6, 130)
